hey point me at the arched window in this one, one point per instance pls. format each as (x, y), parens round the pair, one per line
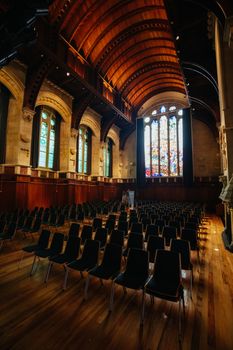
(107, 157)
(45, 138)
(84, 150)
(4, 102)
(163, 142)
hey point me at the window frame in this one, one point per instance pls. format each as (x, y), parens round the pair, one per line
(157, 114)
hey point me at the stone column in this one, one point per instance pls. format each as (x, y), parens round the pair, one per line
(73, 150)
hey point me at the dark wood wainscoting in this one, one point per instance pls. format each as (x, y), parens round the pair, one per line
(21, 191)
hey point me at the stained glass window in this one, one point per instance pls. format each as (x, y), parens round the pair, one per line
(163, 143)
(47, 139)
(107, 158)
(83, 151)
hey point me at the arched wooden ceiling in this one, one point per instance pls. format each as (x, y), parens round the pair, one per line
(129, 43)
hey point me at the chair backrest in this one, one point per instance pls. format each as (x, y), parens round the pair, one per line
(2, 225)
(86, 233)
(74, 229)
(117, 237)
(123, 226)
(28, 222)
(136, 227)
(154, 243)
(151, 230)
(169, 232)
(37, 224)
(43, 240)
(183, 247)
(191, 236)
(112, 257)
(167, 268)
(110, 224)
(72, 248)
(135, 240)
(57, 243)
(91, 251)
(97, 222)
(137, 263)
(101, 235)
(10, 231)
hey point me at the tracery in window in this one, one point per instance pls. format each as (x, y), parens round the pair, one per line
(163, 143)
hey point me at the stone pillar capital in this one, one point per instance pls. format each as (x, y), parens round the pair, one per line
(28, 114)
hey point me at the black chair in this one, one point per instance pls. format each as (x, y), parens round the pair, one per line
(27, 225)
(135, 240)
(136, 227)
(54, 249)
(74, 229)
(117, 237)
(166, 282)
(86, 233)
(80, 216)
(154, 243)
(97, 222)
(70, 254)
(42, 243)
(191, 236)
(8, 234)
(123, 226)
(2, 226)
(110, 266)
(169, 232)
(183, 247)
(88, 260)
(151, 230)
(136, 272)
(101, 236)
(36, 226)
(110, 225)
(160, 223)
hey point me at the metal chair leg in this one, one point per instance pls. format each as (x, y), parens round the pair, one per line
(143, 307)
(86, 286)
(33, 264)
(112, 297)
(48, 272)
(65, 279)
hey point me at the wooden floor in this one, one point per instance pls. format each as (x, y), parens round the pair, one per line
(36, 316)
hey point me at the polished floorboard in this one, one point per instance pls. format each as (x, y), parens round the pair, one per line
(34, 315)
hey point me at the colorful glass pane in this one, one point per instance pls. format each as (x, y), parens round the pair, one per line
(80, 153)
(163, 109)
(154, 148)
(180, 145)
(163, 146)
(147, 150)
(173, 147)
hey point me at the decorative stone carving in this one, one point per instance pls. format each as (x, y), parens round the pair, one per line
(28, 114)
(24, 138)
(74, 133)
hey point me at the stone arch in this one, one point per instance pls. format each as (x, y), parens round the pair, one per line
(12, 82)
(47, 98)
(89, 121)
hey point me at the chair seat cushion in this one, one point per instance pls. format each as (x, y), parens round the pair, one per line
(45, 253)
(131, 281)
(81, 265)
(103, 273)
(31, 248)
(164, 290)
